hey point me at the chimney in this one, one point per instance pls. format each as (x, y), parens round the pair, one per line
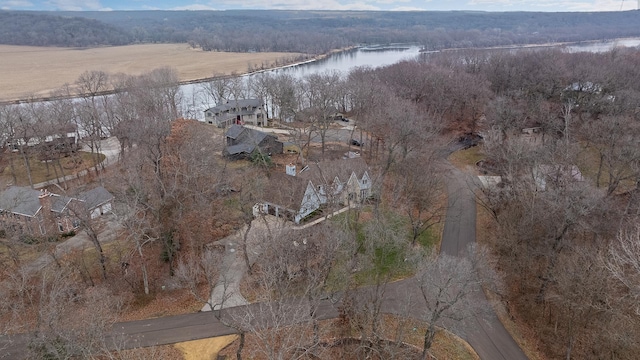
(46, 201)
(291, 169)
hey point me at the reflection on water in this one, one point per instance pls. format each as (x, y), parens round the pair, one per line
(196, 101)
(602, 46)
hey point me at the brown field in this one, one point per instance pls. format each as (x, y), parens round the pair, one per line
(35, 71)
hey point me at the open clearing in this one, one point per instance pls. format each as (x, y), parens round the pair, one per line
(36, 71)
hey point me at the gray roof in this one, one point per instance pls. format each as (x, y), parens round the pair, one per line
(245, 139)
(240, 148)
(286, 191)
(25, 201)
(325, 172)
(235, 104)
(234, 131)
(20, 200)
(95, 197)
(59, 203)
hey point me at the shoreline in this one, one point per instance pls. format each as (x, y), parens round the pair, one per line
(183, 82)
(321, 57)
(532, 46)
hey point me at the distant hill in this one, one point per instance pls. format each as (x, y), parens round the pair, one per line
(38, 29)
(310, 31)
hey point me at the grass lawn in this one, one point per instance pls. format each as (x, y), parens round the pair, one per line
(588, 160)
(39, 170)
(469, 157)
(389, 258)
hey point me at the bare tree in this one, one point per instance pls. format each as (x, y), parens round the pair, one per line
(217, 89)
(448, 285)
(321, 92)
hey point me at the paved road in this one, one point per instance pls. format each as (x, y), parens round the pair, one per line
(485, 333)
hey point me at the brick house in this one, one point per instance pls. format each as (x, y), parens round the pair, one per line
(41, 213)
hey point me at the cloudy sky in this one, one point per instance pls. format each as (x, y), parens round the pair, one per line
(482, 5)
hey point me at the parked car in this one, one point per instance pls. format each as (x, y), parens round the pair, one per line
(355, 142)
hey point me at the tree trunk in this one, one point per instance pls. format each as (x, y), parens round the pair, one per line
(429, 335)
(143, 265)
(240, 347)
(94, 238)
(27, 165)
(245, 253)
(599, 170)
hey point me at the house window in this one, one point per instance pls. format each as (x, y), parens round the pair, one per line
(364, 181)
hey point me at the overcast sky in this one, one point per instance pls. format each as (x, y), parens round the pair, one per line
(483, 5)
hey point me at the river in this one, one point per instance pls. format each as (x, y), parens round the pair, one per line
(196, 101)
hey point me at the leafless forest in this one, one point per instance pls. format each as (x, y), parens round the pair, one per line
(566, 247)
(310, 32)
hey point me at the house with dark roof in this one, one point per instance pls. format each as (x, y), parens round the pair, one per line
(97, 201)
(240, 112)
(295, 195)
(243, 141)
(39, 213)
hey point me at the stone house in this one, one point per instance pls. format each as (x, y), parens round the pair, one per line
(240, 112)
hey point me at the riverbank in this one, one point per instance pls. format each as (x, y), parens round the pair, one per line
(585, 43)
(35, 73)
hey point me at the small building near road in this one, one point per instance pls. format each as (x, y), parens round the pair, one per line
(243, 141)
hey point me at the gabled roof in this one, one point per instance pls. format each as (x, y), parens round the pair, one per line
(235, 104)
(245, 139)
(59, 203)
(240, 149)
(95, 197)
(234, 131)
(246, 135)
(25, 201)
(20, 200)
(325, 172)
(286, 191)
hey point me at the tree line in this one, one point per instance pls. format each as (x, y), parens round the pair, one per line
(565, 245)
(309, 32)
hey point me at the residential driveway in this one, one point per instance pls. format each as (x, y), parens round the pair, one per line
(485, 333)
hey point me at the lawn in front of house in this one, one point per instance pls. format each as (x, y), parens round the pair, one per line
(41, 170)
(467, 158)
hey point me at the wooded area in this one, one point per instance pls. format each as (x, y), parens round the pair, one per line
(565, 245)
(311, 32)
